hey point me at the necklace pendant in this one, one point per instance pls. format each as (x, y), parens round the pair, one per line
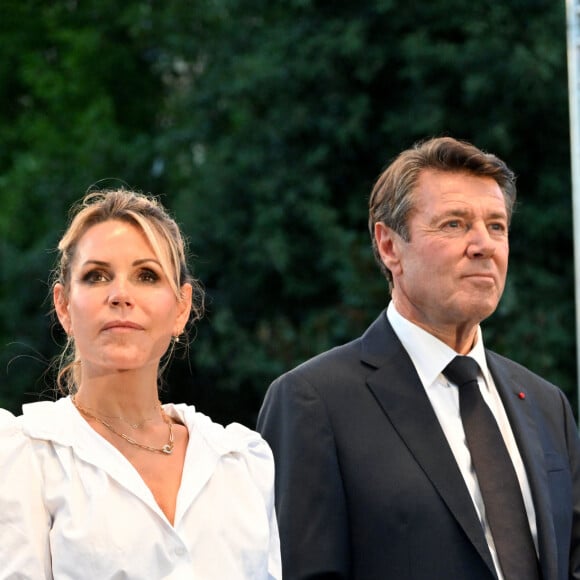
(167, 449)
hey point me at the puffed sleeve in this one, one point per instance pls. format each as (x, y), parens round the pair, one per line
(310, 500)
(24, 521)
(260, 464)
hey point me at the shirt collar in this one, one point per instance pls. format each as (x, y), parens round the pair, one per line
(61, 423)
(429, 354)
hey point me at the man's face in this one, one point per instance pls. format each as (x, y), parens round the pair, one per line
(451, 273)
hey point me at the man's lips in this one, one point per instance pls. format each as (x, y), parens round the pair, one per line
(483, 276)
(122, 325)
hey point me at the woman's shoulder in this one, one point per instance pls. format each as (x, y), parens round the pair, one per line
(15, 444)
(233, 438)
(6, 417)
(24, 551)
(39, 421)
(10, 425)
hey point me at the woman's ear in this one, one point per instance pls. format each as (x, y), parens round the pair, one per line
(60, 301)
(183, 309)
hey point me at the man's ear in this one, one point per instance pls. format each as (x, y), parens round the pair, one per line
(60, 301)
(389, 244)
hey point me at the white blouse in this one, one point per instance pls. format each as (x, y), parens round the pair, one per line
(73, 507)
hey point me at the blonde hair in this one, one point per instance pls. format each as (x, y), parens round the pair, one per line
(160, 229)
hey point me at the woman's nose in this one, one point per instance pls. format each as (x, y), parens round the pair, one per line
(120, 295)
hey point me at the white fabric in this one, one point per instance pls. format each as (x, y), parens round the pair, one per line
(430, 356)
(73, 507)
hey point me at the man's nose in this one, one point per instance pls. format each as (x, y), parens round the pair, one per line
(480, 242)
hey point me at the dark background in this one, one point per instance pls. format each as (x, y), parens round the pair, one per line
(263, 125)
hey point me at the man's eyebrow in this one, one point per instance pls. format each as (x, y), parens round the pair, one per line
(454, 212)
(498, 215)
(465, 212)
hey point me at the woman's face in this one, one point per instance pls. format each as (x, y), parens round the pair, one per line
(119, 306)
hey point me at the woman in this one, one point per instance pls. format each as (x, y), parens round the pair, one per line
(106, 482)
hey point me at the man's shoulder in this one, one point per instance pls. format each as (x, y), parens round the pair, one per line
(518, 372)
(343, 364)
(337, 356)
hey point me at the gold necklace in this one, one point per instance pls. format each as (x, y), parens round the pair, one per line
(167, 449)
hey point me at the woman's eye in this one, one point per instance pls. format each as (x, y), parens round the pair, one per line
(148, 276)
(94, 277)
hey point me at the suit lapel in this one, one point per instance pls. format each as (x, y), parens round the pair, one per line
(399, 392)
(520, 412)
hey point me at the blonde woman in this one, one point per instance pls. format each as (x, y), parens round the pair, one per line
(106, 482)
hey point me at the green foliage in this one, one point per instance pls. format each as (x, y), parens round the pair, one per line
(264, 124)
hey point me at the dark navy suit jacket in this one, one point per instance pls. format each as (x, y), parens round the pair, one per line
(367, 487)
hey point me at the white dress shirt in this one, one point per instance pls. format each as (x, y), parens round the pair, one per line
(430, 356)
(73, 507)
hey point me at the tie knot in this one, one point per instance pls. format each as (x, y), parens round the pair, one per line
(461, 370)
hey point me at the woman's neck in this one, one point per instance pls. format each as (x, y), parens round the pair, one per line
(128, 394)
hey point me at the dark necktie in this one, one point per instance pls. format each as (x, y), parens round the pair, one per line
(504, 506)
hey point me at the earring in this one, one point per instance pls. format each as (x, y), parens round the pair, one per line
(176, 338)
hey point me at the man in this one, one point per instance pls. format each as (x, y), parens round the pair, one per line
(380, 475)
